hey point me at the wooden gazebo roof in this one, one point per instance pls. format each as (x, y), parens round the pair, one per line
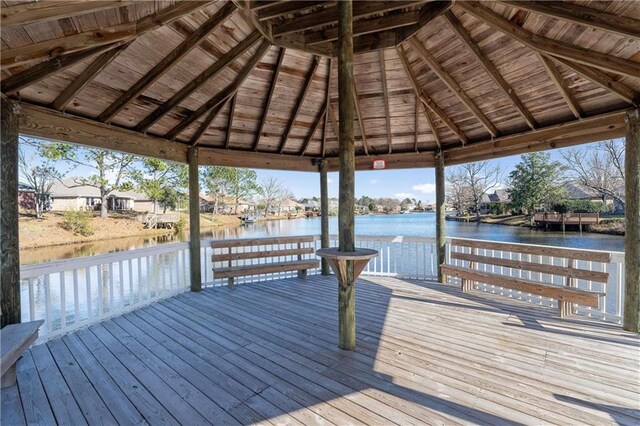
(254, 83)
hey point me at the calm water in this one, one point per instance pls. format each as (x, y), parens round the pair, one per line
(417, 224)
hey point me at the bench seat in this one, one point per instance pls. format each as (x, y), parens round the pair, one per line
(14, 340)
(266, 268)
(560, 293)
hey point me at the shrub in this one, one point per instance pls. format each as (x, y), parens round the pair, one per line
(77, 221)
(579, 206)
(180, 225)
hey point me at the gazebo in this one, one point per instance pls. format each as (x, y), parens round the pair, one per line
(320, 86)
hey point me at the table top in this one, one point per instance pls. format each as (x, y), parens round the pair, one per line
(358, 254)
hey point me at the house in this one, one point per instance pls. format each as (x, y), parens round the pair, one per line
(498, 200)
(228, 206)
(290, 206)
(67, 194)
(26, 197)
(311, 206)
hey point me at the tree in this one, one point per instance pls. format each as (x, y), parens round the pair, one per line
(216, 180)
(458, 193)
(159, 179)
(599, 168)
(373, 207)
(38, 172)
(242, 184)
(536, 181)
(171, 198)
(271, 191)
(111, 170)
(479, 178)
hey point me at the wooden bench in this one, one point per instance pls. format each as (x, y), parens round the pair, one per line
(566, 294)
(15, 339)
(279, 247)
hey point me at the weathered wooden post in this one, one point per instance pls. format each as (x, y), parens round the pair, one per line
(324, 213)
(194, 220)
(441, 239)
(9, 253)
(632, 223)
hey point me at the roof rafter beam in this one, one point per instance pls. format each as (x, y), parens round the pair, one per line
(267, 103)
(330, 17)
(327, 105)
(51, 10)
(195, 139)
(86, 76)
(187, 45)
(299, 102)
(47, 68)
(428, 101)
(428, 13)
(119, 33)
(432, 126)
(222, 63)
(453, 86)
(224, 94)
(322, 114)
(621, 25)
(552, 47)
(385, 95)
(490, 68)
(415, 123)
(232, 111)
(363, 135)
(286, 7)
(558, 80)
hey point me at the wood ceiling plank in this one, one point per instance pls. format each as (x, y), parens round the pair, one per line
(385, 96)
(187, 45)
(321, 115)
(432, 126)
(287, 7)
(327, 105)
(222, 63)
(428, 13)
(453, 85)
(267, 103)
(51, 10)
(490, 69)
(363, 134)
(552, 47)
(232, 111)
(195, 139)
(561, 85)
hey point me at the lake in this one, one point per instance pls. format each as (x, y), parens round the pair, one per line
(416, 224)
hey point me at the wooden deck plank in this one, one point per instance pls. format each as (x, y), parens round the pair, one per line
(266, 353)
(11, 412)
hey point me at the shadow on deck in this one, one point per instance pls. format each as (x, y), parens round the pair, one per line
(267, 353)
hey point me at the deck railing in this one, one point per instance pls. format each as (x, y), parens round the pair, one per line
(72, 293)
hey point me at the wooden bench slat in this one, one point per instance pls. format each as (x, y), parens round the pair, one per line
(592, 256)
(260, 254)
(267, 268)
(569, 294)
(262, 241)
(564, 271)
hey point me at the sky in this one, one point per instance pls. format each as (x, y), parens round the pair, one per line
(407, 183)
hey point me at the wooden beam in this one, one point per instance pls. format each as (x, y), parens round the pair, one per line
(223, 95)
(371, 42)
(432, 126)
(397, 160)
(267, 102)
(86, 76)
(385, 95)
(453, 86)
(363, 134)
(195, 139)
(200, 80)
(49, 124)
(324, 213)
(556, 48)
(321, 115)
(296, 109)
(617, 24)
(365, 26)
(415, 123)
(194, 220)
(286, 7)
(327, 103)
(256, 160)
(187, 45)
(52, 10)
(490, 69)
(119, 33)
(631, 319)
(428, 13)
(9, 247)
(334, 122)
(329, 17)
(47, 68)
(603, 80)
(232, 111)
(561, 85)
(441, 238)
(428, 101)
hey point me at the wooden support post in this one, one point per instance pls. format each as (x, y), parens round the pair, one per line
(324, 213)
(441, 239)
(9, 253)
(346, 212)
(632, 224)
(194, 220)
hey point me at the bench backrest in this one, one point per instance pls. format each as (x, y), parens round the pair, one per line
(276, 247)
(570, 268)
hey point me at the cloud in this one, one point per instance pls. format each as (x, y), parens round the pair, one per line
(403, 195)
(425, 188)
(373, 181)
(329, 180)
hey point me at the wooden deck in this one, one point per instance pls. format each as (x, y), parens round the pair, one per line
(266, 353)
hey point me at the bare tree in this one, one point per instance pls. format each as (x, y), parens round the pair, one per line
(458, 194)
(38, 172)
(271, 191)
(477, 179)
(599, 168)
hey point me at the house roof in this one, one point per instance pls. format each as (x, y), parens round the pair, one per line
(69, 188)
(579, 192)
(289, 203)
(257, 86)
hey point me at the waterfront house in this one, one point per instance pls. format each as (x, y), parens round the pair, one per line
(69, 194)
